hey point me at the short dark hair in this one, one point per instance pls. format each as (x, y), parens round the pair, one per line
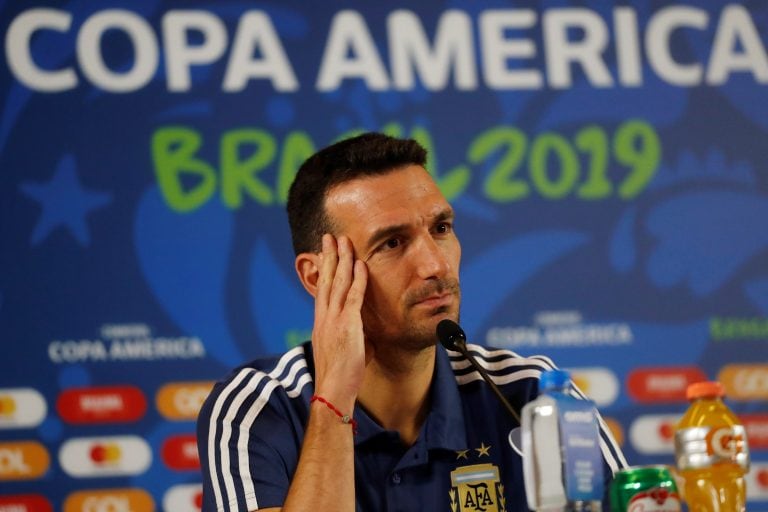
(365, 155)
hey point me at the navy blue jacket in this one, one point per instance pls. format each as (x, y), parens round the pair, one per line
(251, 428)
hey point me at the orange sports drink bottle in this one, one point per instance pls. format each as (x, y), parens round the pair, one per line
(711, 452)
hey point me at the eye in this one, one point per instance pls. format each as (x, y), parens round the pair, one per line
(443, 227)
(392, 243)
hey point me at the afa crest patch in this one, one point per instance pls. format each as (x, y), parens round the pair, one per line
(477, 488)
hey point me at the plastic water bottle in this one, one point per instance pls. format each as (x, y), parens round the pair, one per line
(562, 463)
(711, 452)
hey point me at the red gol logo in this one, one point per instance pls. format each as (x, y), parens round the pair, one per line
(114, 404)
(180, 452)
(652, 385)
(25, 503)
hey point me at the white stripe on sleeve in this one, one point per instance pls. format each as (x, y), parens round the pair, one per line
(220, 455)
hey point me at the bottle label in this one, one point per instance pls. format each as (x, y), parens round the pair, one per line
(700, 447)
(580, 445)
(655, 499)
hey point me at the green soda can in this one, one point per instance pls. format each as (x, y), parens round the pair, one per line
(646, 489)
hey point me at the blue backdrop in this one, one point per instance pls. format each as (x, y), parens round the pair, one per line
(607, 164)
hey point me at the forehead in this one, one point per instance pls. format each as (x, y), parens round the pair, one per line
(403, 196)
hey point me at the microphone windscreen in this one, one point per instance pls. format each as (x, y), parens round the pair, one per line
(449, 333)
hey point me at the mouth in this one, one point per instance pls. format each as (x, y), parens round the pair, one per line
(436, 301)
(435, 297)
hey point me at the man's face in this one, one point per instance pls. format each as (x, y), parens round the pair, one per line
(402, 227)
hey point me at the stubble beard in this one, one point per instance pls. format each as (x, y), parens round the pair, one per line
(417, 334)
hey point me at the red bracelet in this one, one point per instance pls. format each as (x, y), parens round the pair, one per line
(345, 418)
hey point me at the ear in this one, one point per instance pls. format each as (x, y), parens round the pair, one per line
(308, 269)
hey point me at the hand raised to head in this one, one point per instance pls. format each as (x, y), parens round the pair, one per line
(337, 335)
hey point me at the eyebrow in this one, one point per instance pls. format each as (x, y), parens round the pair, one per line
(385, 232)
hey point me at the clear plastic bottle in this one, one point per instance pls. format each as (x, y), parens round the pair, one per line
(711, 452)
(562, 462)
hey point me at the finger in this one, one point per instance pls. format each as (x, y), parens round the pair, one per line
(328, 263)
(343, 276)
(356, 293)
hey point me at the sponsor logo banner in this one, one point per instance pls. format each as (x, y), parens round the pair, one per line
(110, 500)
(599, 384)
(654, 434)
(745, 381)
(757, 482)
(180, 452)
(25, 503)
(21, 408)
(184, 498)
(662, 384)
(105, 456)
(625, 237)
(756, 427)
(107, 404)
(182, 400)
(23, 460)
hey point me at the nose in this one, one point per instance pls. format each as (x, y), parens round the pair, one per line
(431, 260)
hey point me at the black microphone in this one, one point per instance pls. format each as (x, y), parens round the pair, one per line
(452, 337)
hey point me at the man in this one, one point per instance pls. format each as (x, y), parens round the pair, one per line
(372, 415)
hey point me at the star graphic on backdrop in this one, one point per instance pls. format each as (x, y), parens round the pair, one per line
(462, 454)
(483, 450)
(64, 202)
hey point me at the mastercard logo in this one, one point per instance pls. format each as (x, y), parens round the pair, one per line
(184, 498)
(109, 500)
(599, 384)
(113, 404)
(745, 381)
(108, 453)
(654, 434)
(757, 481)
(659, 385)
(180, 453)
(25, 503)
(21, 408)
(24, 460)
(182, 400)
(105, 456)
(7, 406)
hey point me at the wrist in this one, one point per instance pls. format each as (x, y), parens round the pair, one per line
(343, 417)
(344, 399)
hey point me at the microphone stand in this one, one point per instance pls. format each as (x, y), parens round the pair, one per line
(452, 337)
